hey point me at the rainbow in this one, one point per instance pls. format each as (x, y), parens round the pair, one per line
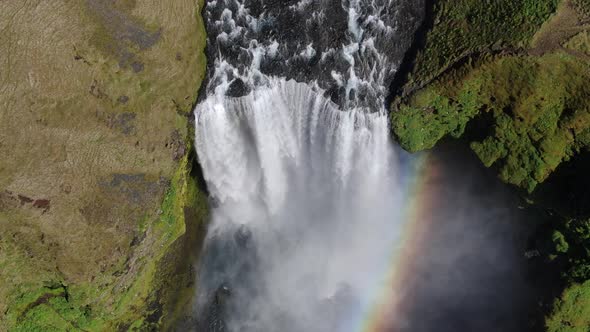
(380, 315)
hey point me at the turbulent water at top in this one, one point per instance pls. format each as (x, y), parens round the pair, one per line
(294, 144)
(349, 49)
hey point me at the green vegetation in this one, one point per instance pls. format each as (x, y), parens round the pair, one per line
(571, 242)
(539, 107)
(534, 103)
(430, 116)
(572, 310)
(462, 27)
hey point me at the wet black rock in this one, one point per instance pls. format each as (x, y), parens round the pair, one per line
(238, 89)
(313, 42)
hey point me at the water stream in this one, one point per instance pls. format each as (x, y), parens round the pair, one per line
(317, 213)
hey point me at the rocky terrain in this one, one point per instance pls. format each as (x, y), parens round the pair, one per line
(95, 192)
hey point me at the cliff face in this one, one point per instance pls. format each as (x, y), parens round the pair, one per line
(510, 78)
(95, 190)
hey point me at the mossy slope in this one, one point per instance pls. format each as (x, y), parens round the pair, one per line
(538, 108)
(95, 195)
(534, 98)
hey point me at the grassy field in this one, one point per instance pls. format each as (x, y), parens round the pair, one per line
(95, 98)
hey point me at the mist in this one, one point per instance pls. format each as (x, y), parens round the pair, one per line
(471, 273)
(311, 204)
(308, 200)
(320, 222)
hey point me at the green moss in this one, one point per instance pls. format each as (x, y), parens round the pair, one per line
(172, 220)
(538, 105)
(561, 244)
(51, 308)
(44, 318)
(28, 300)
(431, 116)
(465, 26)
(571, 311)
(571, 242)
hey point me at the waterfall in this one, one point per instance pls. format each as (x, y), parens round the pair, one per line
(295, 148)
(315, 192)
(319, 222)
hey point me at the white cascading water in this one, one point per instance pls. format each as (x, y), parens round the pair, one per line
(307, 187)
(314, 185)
(311, 188)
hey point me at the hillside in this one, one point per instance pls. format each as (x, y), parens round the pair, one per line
(522, 81)
(95, 100)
